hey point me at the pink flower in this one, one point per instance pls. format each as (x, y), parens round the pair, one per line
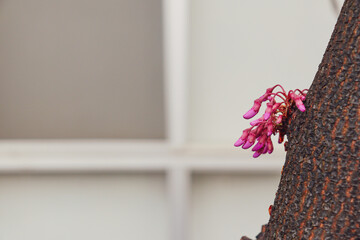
(300, 105)
(265, 149)
(271, 122)
(257, 121)
(270, 128)
(243, 138)
(256, 154)
(297, 99)
(258, 146)
(254, 110)
(250, 140)
(268, 110)
(270, 145)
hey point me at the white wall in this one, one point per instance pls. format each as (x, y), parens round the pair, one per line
(237, 50)
(240, 48)
(87, 189)
(79, 207)
(228, 206)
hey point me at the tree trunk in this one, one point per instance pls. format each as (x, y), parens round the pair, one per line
(319, 192)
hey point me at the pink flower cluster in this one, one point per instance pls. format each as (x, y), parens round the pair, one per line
(271, 121)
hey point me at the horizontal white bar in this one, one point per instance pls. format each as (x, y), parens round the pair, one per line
(193, 165)
(51, 146)
(115, 156)
(79, 167)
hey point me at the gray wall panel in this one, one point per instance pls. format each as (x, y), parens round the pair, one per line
(81, 69)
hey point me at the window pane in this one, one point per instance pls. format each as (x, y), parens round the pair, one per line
(81, 69)
(240, 48)
(85, 206)
(230, 206)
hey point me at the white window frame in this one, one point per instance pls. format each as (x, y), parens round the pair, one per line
(168, 157)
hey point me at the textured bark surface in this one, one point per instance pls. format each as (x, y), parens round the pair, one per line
(319, 192)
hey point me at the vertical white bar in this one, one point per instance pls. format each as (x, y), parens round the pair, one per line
(179, 180)
(175, 28)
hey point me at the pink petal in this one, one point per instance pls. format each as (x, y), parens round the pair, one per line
(256, 154)
(250, 114)
(270, 129)
(268, 110)
(254, 110)
(264, 97)
(258, 146)
(270, 145)
(239, 142)
(292, 95)
(255, 122)
(265, 149)
(247, 145)
(266, 116)
(301, 107)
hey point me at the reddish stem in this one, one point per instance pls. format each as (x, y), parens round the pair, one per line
(277, 95)
(278, 85)
(301, 91)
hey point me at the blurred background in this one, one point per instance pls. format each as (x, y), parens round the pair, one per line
(118, 118)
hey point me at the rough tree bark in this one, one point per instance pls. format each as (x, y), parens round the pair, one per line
(319, 191)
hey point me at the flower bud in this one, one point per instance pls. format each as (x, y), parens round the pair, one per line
(257, 121)
(268, 111)
(239, 142)
(264, 97)
(257, 147)
(254, 110)
(265, 149)
(259, 130)
(250, 141)
(297, 99)
(270, 145)
(270, 129)
(243, 138)
(260, 144)
(256, 154)
(300, 105)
